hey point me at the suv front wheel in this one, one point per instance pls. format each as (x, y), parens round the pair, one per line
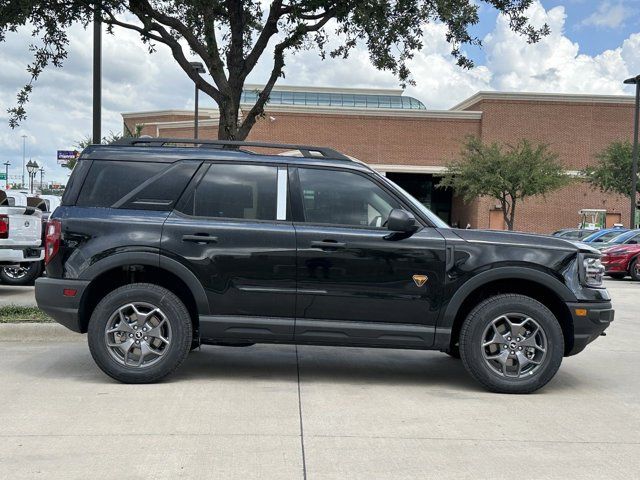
(511, 344)
(140, 333)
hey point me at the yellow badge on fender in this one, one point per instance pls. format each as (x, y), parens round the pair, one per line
(420, 280)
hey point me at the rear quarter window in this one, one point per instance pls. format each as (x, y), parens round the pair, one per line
(136, 185)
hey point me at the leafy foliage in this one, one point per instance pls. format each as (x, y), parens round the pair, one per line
(230, 36)
(612, 172)
(508, 173)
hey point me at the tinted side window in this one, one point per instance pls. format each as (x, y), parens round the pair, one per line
(236, 191)
(343, 198)
(108, 182)
(162, 191)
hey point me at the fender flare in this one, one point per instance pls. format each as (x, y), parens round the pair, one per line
(445, 323)
(154, 260)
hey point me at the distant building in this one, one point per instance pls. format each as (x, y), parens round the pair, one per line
(398, 136)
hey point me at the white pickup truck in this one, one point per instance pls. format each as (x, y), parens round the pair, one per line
(20, 232)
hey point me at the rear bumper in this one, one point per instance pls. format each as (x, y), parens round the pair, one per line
(589, 321)
(64, 309)
(16, 257)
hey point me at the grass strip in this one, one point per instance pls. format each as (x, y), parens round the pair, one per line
(20, 314)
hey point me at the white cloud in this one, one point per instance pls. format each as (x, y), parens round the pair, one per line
(608, 16)
(60, 107)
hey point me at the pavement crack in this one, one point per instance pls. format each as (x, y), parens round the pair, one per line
(304, 461)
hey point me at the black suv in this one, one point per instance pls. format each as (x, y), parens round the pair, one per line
(160, 246)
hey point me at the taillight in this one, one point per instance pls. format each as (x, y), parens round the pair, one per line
(4, 226)
(52, 240)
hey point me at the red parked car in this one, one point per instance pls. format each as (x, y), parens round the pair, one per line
(622, 260)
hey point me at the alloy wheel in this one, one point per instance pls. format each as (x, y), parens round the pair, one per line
(138, 334)
(514, 345)
(16, 273)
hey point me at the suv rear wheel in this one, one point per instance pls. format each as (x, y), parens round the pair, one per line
(140, 333)
(511, 344)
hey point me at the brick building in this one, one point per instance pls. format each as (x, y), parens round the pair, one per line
(399, 136)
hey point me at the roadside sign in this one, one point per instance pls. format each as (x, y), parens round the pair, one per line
(3, 176)
(65, 155)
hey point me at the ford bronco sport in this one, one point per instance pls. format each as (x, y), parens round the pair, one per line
(161, 245)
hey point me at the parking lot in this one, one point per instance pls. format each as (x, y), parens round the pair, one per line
(272, 411)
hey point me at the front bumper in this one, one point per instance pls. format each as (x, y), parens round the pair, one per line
(589, 321)
(63, 308)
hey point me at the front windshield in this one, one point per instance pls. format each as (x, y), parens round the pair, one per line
(623, 237)
(433, 218)
(601, 237)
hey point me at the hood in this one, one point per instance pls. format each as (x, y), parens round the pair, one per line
(500, 237)
(615, 248)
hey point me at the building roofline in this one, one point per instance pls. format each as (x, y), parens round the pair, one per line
(299, 88)
(314, 109)
(542, 97)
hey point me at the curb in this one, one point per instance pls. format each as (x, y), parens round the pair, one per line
(37, 332)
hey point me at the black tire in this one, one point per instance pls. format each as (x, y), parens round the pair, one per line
(472, 336)
(617, 276)
(634, 269)
(21, 275)
(174, 353)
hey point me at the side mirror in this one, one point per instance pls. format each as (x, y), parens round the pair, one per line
(632, 242)
(401, 221)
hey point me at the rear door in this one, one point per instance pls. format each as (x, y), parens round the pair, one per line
(355, 281)
(231, 229)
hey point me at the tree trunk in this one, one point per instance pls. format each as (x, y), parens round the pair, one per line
(509, 214)
(228, 124)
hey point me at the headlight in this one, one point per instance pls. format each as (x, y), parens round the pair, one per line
(591, 271)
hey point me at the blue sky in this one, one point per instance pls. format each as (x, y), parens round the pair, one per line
(592, 47)
(596, 25)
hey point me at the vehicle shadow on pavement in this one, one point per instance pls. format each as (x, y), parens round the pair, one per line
(278, 363)
(326, 364)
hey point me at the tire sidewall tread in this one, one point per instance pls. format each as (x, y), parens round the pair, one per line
(181, 331)
(477, 321)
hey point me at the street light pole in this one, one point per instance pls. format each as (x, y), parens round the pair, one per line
(24, 140)
(32, 168)
(634, 168)
(97, 73)
(41, 177)
(199, 68)
(6, 175)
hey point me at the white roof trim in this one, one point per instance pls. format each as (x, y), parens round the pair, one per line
(407, 168)
(314, 109)
(377, 112)
(543, 97)
(211, 112)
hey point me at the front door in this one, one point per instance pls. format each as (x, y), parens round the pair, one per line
(356, 283)
(230, 229)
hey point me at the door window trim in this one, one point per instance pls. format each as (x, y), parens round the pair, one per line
(297, 203)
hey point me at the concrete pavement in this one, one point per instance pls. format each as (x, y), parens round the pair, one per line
(280, 412)
(23, 296)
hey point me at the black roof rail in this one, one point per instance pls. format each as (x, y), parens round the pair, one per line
(307, 151)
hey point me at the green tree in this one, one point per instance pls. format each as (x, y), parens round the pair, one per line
(612, 172)
(508, 173)
(230, 36)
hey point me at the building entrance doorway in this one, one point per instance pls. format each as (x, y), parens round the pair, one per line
(423, 187)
